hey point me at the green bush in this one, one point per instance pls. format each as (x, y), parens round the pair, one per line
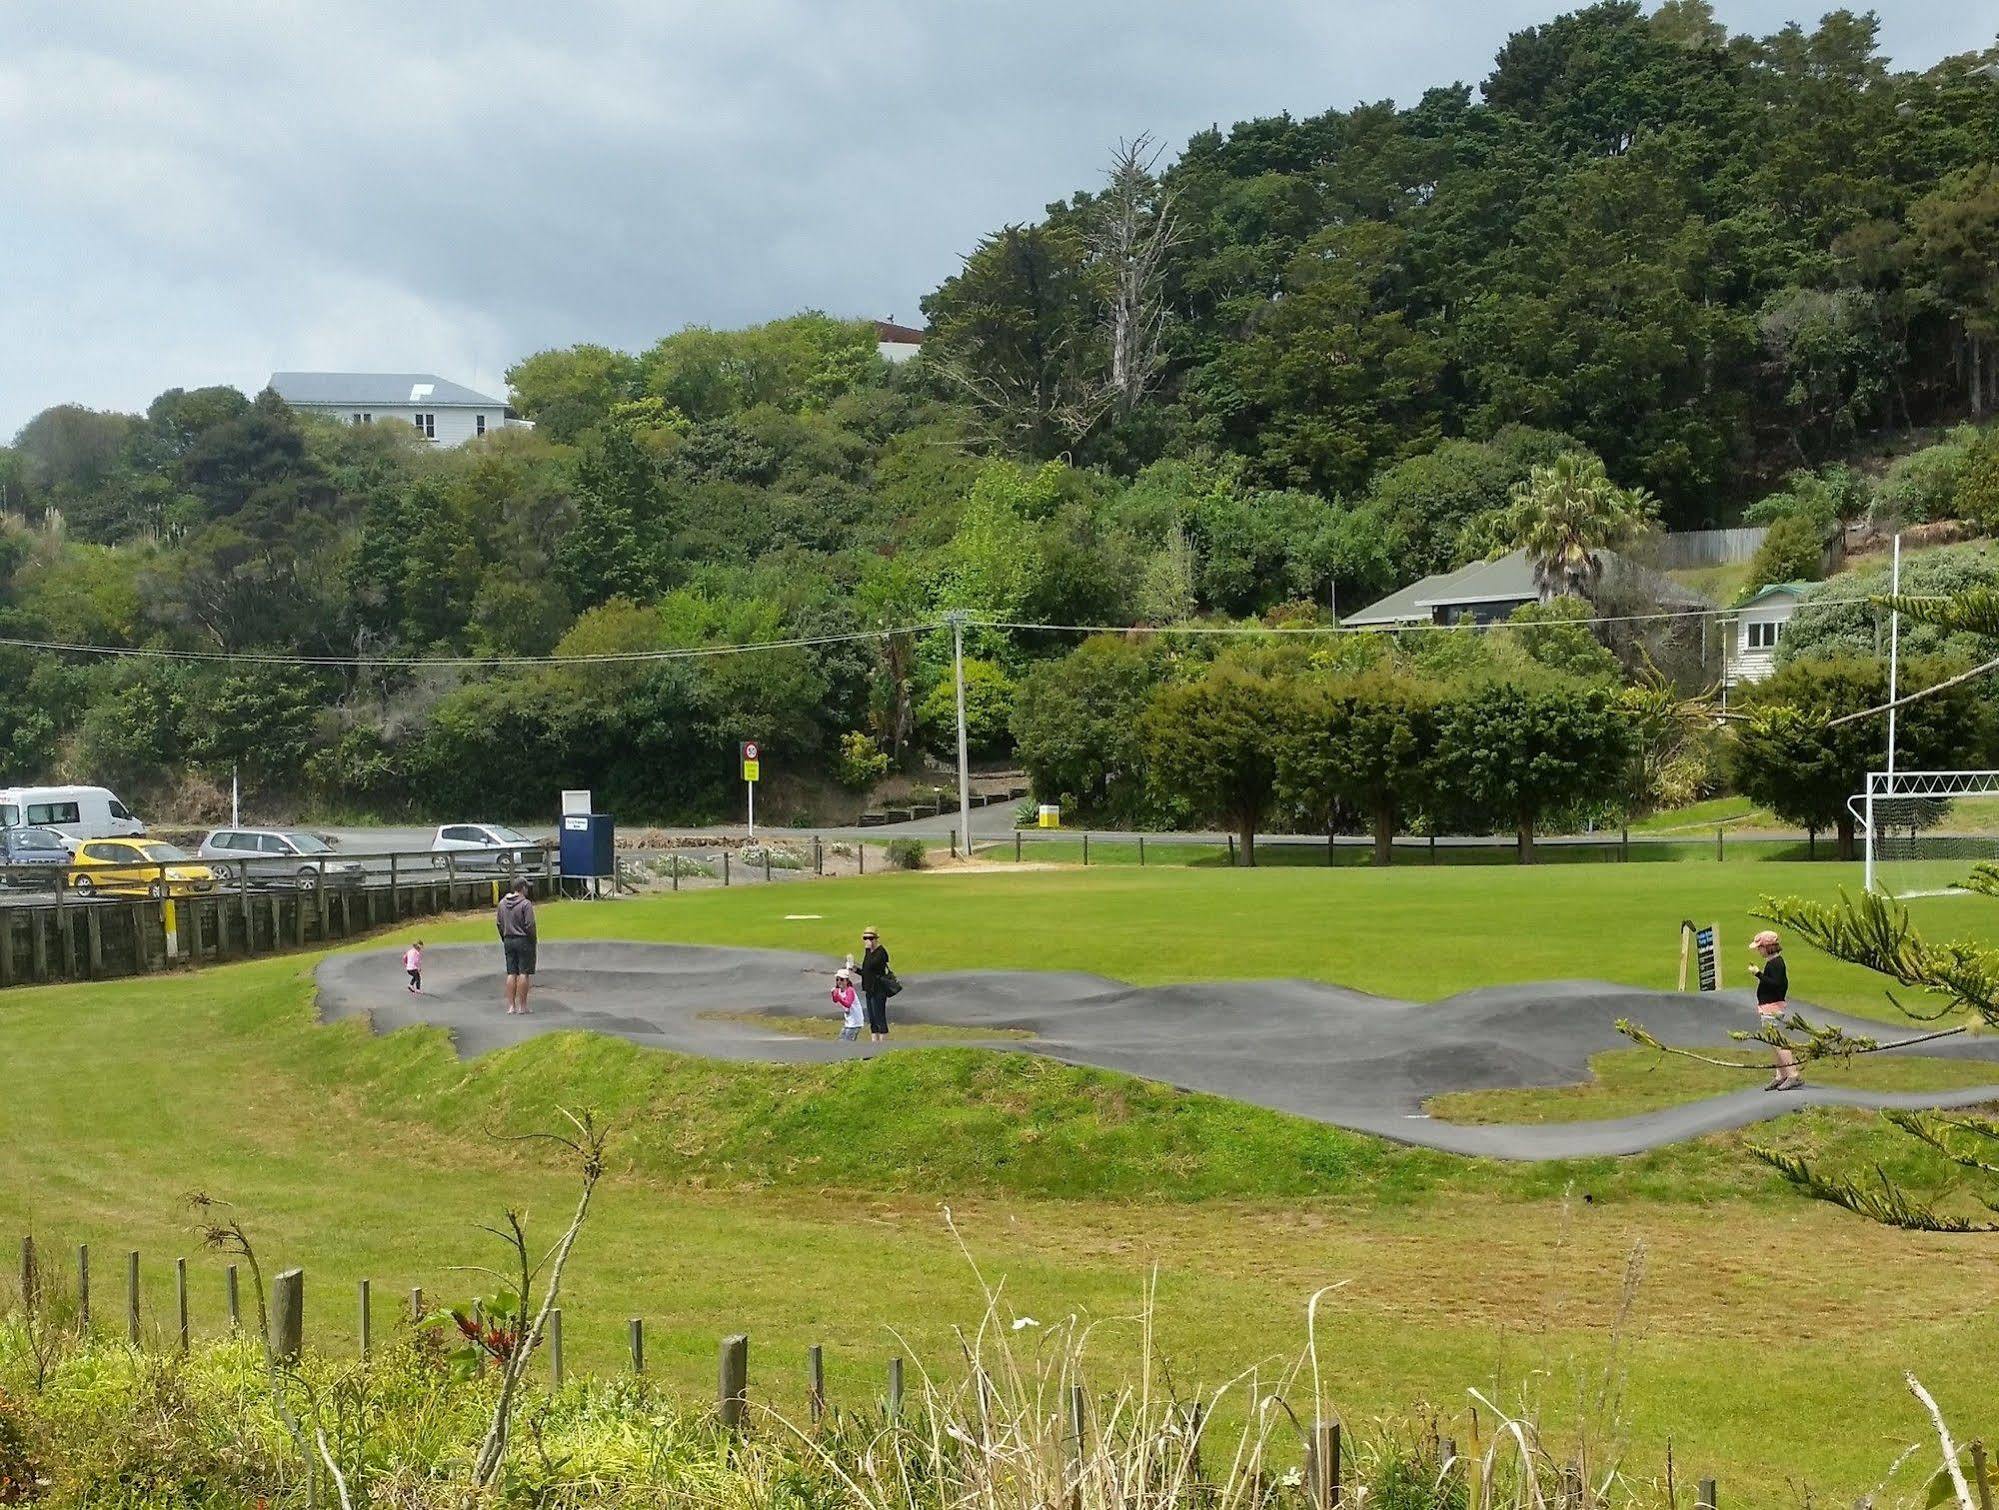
(1922, 486)
(860, 762)
(1793, 551)
(905, 854)
(1978, 484)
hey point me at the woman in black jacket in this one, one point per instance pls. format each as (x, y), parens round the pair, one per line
(874, 984)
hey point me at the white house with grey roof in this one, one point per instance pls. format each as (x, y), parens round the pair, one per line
(444, 412)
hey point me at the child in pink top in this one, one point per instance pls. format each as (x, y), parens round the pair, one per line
(413, 962)
(849, 1003)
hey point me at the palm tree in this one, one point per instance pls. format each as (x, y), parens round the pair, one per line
(1568, 511)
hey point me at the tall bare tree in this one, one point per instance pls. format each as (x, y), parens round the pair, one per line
(1133, 230)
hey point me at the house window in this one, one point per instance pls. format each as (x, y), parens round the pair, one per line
(479, 424)
(1763, 634)
(427, 423)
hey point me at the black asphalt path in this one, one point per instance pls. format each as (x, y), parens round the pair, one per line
(1338, 1056)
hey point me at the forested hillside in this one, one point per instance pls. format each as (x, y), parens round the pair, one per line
(1285, 366)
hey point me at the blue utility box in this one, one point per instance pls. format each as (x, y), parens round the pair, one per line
(587, 845)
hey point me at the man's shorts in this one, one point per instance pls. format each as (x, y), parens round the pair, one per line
(520, 956)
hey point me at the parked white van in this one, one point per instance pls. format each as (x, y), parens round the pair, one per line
(75, 812)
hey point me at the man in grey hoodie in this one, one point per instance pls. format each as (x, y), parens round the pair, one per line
(516, 924)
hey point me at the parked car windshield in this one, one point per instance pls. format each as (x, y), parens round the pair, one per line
(164, 854)
(37, 838)
(310, 844)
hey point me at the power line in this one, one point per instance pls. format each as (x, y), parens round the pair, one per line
(465, 662)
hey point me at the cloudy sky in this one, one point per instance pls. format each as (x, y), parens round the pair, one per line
(206, 190)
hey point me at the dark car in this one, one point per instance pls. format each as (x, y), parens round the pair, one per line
(32, 858)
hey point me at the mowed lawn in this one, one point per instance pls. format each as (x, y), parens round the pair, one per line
(359, 1157)
(1414, 932)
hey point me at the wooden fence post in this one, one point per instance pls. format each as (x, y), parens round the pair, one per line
(733, 1381)
(636, 1329)
(1717, 841)
(180, 1300)
(83, 1286)
(1231, 849)
(725, 867)
(555, 1349)
(1322, 1465)
(1016, 846)
(1707, 1500)
(1141, 851)
(235, 1298)
(367, 1320)
(1086, 846)
(288, 1315)
(416, 1304)
(815, 1381)
(895, 1389)
(1077, 1422)
(132, 1297)
(1624, 842)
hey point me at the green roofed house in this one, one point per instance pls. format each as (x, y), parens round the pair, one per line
(1488, 591)
(1758, 624)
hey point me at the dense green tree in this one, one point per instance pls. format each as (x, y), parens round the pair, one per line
(569, 391)
(1790, 757)
(1078, 725)
(1793, 551)
(1358, 748)
(1513, 753)
(1212, 743)
(989, 698)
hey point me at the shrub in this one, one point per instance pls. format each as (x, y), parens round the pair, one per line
(1793, 551)
(1978, 484)
(860, 762)
(1922, 486)
(905, 854)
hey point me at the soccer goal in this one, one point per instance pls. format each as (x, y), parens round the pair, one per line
(1922, 832)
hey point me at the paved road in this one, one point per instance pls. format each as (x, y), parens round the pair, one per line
(1334, 1055)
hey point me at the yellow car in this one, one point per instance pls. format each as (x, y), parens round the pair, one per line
(132, 868)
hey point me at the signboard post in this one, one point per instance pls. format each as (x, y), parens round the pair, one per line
(752, 769)
(1704, 944)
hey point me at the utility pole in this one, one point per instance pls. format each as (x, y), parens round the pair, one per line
(964, 760)
(1894, 658)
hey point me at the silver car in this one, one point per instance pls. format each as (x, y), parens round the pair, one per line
(485, 846)
(281, 857)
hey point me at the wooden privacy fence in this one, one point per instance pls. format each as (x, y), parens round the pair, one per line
(1689, 548)
(1324, 1479)
(56, 934)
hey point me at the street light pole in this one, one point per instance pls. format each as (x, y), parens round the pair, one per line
(964, 760)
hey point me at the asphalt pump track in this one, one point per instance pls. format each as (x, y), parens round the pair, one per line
(1344, 1057)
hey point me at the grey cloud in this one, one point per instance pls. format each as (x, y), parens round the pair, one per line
(204, 191)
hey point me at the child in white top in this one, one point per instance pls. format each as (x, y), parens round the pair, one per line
(848, 1000)
(413, 962)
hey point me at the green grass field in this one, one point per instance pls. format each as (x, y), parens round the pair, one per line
(806, 1204)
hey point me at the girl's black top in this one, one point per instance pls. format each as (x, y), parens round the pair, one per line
(1773, 982)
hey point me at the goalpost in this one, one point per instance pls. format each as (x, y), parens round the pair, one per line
(1922, 832)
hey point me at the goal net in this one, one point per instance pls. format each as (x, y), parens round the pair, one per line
(1923, 832)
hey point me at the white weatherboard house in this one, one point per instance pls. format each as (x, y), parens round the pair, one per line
(444, 412)
(1759, 625)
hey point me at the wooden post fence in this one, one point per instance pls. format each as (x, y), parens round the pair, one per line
(1322, 1465)
(636, 1330)
(180, 1301)
(367, 1320)
(1707, 1500)
(288, 1315)
(895, 1389)
(132, 1297)
(815, 1382)
(733, 1382)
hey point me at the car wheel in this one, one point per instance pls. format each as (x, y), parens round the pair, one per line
(83, 886)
